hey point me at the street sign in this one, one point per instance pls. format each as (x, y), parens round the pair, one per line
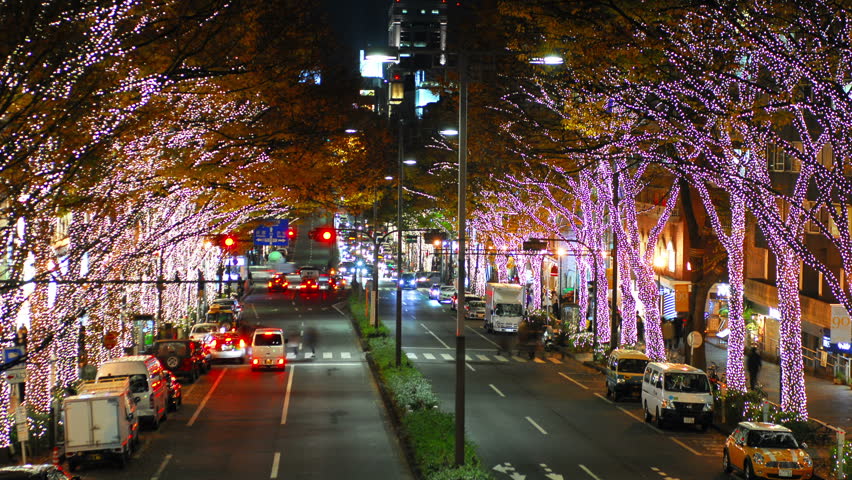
(21, 423)
(275, 235)
(12, 353)
(15, 375)
(694, 339)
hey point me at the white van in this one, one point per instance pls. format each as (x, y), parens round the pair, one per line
(147, 384)
(677, 393)
(268, 349)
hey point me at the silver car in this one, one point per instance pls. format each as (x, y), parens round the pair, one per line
(446, 294)
(474, 309)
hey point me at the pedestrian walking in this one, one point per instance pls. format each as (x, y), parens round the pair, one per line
(678, 332)
(668, 333)
(753, 364)
(503, 344)
(554, 302)
(309, 339)
(640, 328)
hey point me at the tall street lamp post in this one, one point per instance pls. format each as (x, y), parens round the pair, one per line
(399, 233)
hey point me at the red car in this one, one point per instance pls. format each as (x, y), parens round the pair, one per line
(278, 283)
(308, 286)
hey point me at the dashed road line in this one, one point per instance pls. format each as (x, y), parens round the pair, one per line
(589, 472)
(162, 467)
(543, 431)
(496, 390)
(206, 398)
(575, 381)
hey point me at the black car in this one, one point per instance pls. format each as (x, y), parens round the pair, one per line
(278, 283)
(175, 392)
(35, 472)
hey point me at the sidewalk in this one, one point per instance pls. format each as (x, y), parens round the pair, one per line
(827, 402)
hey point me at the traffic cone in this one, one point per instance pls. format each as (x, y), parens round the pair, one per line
(56, 455)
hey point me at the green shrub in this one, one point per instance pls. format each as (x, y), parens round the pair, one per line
(465, 472)
(410, 389)
(383, 351)
(847, 457)
(432, 436)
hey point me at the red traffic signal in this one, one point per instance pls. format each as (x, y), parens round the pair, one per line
(324, 234)
(226, 242)
(291, 233)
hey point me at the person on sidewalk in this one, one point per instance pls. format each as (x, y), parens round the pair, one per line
(677, 323)
(753, 364)
(668, 332)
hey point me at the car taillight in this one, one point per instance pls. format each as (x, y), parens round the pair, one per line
(254, 361)
(213, 343)
(270, 284)
(281, 361)
(242, 343)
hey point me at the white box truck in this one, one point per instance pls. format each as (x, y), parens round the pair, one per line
(100, 423)
(504, 307)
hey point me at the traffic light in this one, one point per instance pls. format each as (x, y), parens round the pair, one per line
(291, 233)
(324, 234)
(226, 242)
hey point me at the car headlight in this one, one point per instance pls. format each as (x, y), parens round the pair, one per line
(619, 380)
(806, 460)
(668, 404)
(758, 458)
(708, 407)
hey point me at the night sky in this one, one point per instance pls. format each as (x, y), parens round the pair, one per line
(359, 22)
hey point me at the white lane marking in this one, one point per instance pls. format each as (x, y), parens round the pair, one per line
(468, 366)
(256, 317)
(589, 472)
(554, 360)
(326, 354)
(604, 399)
(688, 448)
(575, 381)
(206, 398)
(162, 467)
(641, 420)
(518, 359)
(496, 390)
(481, 335)
(502, 358)
(543, 431)
(429, 356)
(330, 364)
(482, 357)
(411, 356)
(275, 461)
(287, 395)
(436, 337)
(446, 356)
(346, 355)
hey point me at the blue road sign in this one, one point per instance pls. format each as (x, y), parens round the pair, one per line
(262, 236)
(12, 353)
(279, 234)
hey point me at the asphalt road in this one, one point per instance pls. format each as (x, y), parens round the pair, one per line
(322, 418)
(546, 418)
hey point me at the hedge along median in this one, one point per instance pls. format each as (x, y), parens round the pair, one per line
(427, 433)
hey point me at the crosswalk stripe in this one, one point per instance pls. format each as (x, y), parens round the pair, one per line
(554, 360)
(502, 358)
(482, 357)
(429, 356)
(518, 359)
(412, 356)
(326, 354)
(309, 355)
(346, 355)
(538, 360)
(291, 356)
(446, 356)
(467, 358)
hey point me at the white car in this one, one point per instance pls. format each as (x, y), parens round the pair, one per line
(474, 309)
(228, 346)
(200, 331)
(446, 294)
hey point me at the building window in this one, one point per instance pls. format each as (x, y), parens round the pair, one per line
(781, 161)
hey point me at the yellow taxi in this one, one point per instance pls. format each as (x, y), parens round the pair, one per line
(766, 450)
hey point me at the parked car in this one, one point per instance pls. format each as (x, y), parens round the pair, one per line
(35, 472)
(201, 331)
(435, 291)
(175, 392)
(766, 450)
(468, 297)
(227, 346)
(182, 357)
(446, 294)
(222, 316)
(145, 373)
(474, 310)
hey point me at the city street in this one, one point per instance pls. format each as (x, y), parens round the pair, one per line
(544, 418)
(321, 418)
